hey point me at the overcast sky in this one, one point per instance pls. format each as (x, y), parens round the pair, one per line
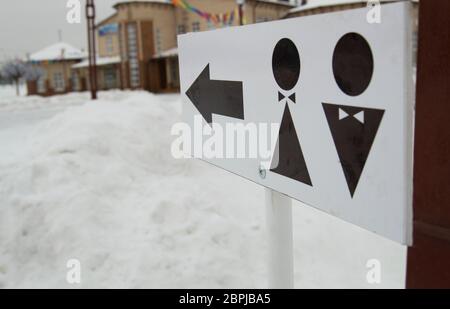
(29, 25)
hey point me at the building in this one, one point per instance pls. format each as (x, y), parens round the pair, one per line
(137, 45)
(313, 7)
(55, 66)
(108, 73)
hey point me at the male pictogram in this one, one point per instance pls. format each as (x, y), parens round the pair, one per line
(353, 128)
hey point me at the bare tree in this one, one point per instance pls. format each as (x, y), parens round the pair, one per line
(14, 71)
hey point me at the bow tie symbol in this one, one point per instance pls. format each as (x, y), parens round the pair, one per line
(281, 97)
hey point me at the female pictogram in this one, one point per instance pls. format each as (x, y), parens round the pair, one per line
(288, 159)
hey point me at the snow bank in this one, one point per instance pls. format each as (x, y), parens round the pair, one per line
(97, 183)
(100, 186)
(8, 92)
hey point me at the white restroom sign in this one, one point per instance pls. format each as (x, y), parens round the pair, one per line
(341, 91)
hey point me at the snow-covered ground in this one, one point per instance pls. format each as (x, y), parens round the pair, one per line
(95, 181)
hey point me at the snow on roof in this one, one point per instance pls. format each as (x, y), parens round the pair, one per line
(313, 4)
(167, 53)
(150, 1)
(100, 61)
(287, 3)
(58, 51)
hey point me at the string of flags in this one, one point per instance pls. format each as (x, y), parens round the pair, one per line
(223, 19)
(45, 62)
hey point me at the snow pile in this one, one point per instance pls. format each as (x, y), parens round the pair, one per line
(96, 182)
(100, 186)
(8, 92)
(18, 104)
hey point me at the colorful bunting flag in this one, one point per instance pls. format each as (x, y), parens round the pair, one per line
(224, 19)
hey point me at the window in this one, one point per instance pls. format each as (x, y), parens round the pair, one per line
(196, 26)
(58, 82)
(158, 41)
(123, 50)
(135, 80)
(75, 82)
(109, 45)
(110, 77)
(181, 29)
(42, 83)
(174, 74)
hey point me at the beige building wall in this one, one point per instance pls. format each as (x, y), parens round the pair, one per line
(157, 26)
(254, 11)
(188, 19)
(56, 78)
(326, 9)
(258, 11)
(340, 7)
(64, 68)
(108, 45)
(169, 20)
(162, 17)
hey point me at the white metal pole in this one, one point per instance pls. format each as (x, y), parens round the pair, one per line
(280, 235)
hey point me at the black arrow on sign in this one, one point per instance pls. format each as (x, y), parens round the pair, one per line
(220, 97)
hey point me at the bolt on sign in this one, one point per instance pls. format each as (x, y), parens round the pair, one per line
(340, 90)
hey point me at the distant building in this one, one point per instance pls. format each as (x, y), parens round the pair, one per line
(313, 7)
(137, 45)
(55, 62)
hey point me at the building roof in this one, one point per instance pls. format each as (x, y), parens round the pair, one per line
(58, 51)
(169, 2)
(287, 3)
(106, 20)
(100, 61)
(314, 4)
(173, 52)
